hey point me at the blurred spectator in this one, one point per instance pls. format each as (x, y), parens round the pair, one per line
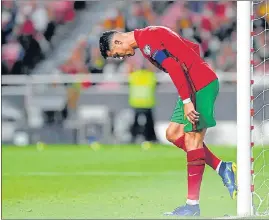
(75, 64)
(142, 87)
(227, 58)
(64, 10)
(8, 20)
(135, 17)
(26, 37)
(40, 17)
(12, 57)
(114, 20)
(95, 61)
(159, 6)
(32, 24)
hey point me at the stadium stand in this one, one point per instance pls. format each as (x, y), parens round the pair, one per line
(28, 28)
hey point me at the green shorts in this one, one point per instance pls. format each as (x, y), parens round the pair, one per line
(205, 103)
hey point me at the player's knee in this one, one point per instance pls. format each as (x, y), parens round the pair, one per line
(173, 134)
(193, 140)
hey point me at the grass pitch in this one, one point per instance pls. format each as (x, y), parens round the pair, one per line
(74, 182)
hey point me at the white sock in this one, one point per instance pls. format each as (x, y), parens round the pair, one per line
(192, 202)
(217, 170)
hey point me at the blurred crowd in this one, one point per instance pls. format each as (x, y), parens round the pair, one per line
(28, 28)
(211, 24)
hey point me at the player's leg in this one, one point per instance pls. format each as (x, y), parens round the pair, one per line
(150, 131)
(205, 99)
(175, 134)
(205, 103)
(135, 125)
(195, 169)
(195, 163)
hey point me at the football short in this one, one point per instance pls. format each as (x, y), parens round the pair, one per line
(204, 104)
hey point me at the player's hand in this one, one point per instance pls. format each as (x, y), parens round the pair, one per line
(190, 113)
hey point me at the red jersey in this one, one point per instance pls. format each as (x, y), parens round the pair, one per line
(177, 56)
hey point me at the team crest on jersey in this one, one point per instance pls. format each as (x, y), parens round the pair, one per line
(147, 50)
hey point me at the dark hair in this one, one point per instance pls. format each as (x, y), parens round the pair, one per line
(104, 42)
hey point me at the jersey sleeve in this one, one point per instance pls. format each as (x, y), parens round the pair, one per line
(173, 44)
(178, 77)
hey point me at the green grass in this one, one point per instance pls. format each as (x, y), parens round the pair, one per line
(114, 182)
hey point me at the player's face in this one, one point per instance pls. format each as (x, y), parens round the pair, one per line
(120, 50)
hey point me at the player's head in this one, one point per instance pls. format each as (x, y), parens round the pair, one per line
(115, 44)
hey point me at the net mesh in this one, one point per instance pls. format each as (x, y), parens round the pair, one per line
(260, 105)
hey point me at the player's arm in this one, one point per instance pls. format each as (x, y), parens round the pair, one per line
(180, 81)
(178, 77)
(174, 43)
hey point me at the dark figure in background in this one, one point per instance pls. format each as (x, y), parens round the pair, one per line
(33, 52)
(142, 86)
(50, 30)
(147, 130)
(79, 5)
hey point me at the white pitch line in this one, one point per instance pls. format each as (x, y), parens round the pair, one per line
(93, 173)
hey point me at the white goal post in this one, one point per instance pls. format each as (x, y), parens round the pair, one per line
(243, 108)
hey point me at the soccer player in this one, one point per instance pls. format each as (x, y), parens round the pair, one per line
(197, 86)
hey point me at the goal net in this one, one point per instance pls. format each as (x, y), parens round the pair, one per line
(260, 106)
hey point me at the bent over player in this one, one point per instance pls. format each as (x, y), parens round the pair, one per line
(197, 86)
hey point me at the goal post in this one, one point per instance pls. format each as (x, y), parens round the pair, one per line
(244, 198)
